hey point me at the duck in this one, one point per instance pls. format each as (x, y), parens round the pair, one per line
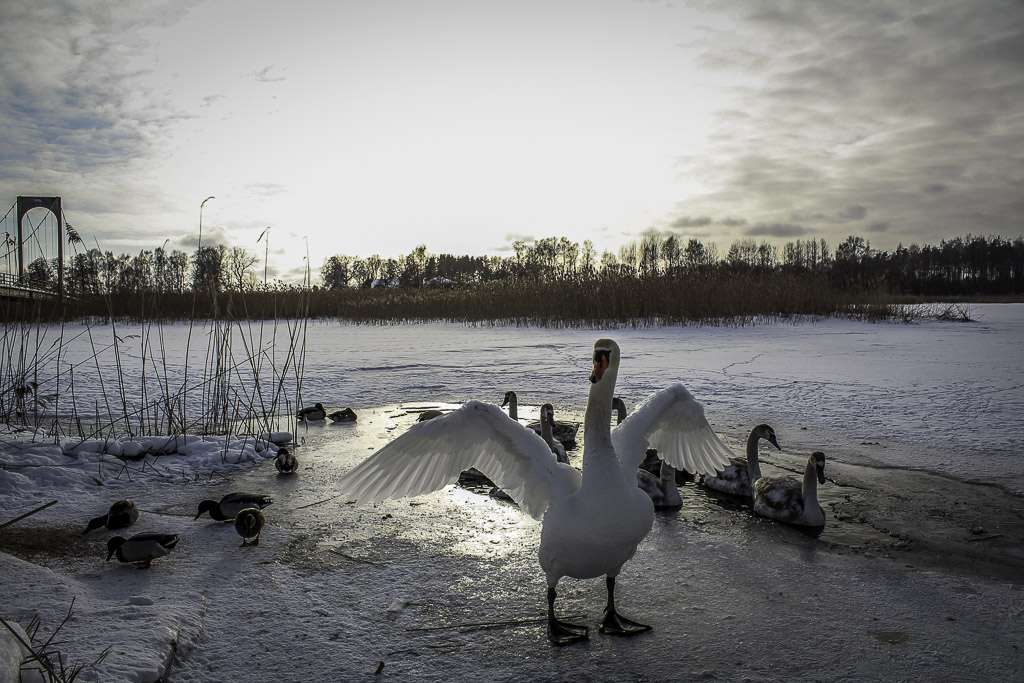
(547, 417)
(429, 415)
(739, 475)
(143, 548)
(248, 523)
(121, 514)
(285, 462)
(313, 413)
(230, 505)
(592, 521)
(785, 499)
(656, 478)
(512, 401)
(343, 415)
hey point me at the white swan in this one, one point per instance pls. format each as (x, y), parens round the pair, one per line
(740, 474)
(787, 500)
(593, 521)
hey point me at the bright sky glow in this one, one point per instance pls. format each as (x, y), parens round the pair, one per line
(371, 127)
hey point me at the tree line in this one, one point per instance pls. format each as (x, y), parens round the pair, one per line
(960, 266)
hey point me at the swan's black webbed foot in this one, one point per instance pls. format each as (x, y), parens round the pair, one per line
(564, 633)
(615, 624)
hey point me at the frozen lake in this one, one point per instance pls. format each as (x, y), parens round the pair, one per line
(916, 576)
(939, 396)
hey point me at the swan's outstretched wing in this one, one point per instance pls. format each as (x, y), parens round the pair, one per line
(430, 455)
(672, 421)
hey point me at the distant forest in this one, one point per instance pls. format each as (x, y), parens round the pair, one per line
(549, 282)
(971, 265)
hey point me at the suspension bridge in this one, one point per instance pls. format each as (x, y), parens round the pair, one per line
(32, 254)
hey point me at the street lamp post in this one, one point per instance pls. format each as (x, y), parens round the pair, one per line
(201, 219)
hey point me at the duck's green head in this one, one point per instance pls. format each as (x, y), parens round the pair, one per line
(112, 546)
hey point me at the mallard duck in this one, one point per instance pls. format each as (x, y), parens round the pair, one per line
(592, 521)
(285, 462)
(312, 414)
(142, 548)
(121, 514)
(248, 523)
(740, 474)
(786, 499)
(343, 415)
(227, 507)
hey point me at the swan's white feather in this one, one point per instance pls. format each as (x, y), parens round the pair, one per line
(430, 455)
(672, 421)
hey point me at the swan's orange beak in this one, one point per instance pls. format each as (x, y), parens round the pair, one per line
(600, 365)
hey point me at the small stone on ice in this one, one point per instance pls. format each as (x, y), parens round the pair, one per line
(140, 600)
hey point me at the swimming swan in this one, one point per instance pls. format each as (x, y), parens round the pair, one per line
(594, 520)
(512, 401)
(656, 478)
(741, 473)
(547, 416)
(787, 500)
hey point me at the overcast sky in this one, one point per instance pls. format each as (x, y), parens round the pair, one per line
(370, 127)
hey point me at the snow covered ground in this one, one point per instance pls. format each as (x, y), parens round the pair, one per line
(917, 575)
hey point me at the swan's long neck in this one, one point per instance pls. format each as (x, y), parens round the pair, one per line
(753, 464)
(513, 407)
(545, 429)
(810, 487)
(597, 434)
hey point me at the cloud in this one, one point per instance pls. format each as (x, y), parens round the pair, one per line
(263, 75)
(691, 221)
(212, 236)
(878, 226)
(852, 106)
(854, 212)
(777, 230)
(518, 237)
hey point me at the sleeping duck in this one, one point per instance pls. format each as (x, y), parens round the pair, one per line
(787, 500)
(249, 523)
(740, 474)
(312, 414)
(285, 462)
(142, 548)
(121, 514)
(343, 415)
(230, 505)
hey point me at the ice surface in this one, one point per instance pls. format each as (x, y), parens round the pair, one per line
(333, 591)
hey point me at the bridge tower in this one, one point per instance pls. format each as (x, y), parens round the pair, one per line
(25, 204)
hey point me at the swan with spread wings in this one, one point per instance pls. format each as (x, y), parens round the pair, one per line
(592, 521)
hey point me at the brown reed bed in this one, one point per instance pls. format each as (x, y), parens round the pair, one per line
(604, 300)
